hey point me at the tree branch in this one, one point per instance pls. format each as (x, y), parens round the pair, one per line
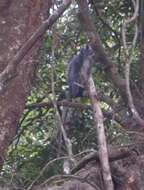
(113, 156)
(113, 114)
(98, 122)
(129, 57)
(98, 119)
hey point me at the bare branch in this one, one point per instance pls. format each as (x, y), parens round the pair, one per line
(65, 103)
(114, 155)
(67, 141)
(113, 114)
(129, 58)
(98, 118)
(98, 121)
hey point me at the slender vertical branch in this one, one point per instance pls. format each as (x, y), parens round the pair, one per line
(129, 58)
(99, 125)
(67, 141)
(90, 86)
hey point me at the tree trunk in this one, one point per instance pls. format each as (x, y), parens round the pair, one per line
(18, 20)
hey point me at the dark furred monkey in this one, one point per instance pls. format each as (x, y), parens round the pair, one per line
(75, 82)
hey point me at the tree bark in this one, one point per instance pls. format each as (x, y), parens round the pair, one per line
(18, 20)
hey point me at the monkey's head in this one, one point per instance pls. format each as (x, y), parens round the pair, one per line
(88, 52)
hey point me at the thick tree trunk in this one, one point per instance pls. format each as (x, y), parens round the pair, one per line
(18, 20)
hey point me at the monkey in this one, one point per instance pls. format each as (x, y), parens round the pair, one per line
(76, 87)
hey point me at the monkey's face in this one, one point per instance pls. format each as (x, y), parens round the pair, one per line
(89, 53)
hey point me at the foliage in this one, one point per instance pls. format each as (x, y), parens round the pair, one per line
(38, 139)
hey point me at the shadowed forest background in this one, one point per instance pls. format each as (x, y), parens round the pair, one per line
(49, 141)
